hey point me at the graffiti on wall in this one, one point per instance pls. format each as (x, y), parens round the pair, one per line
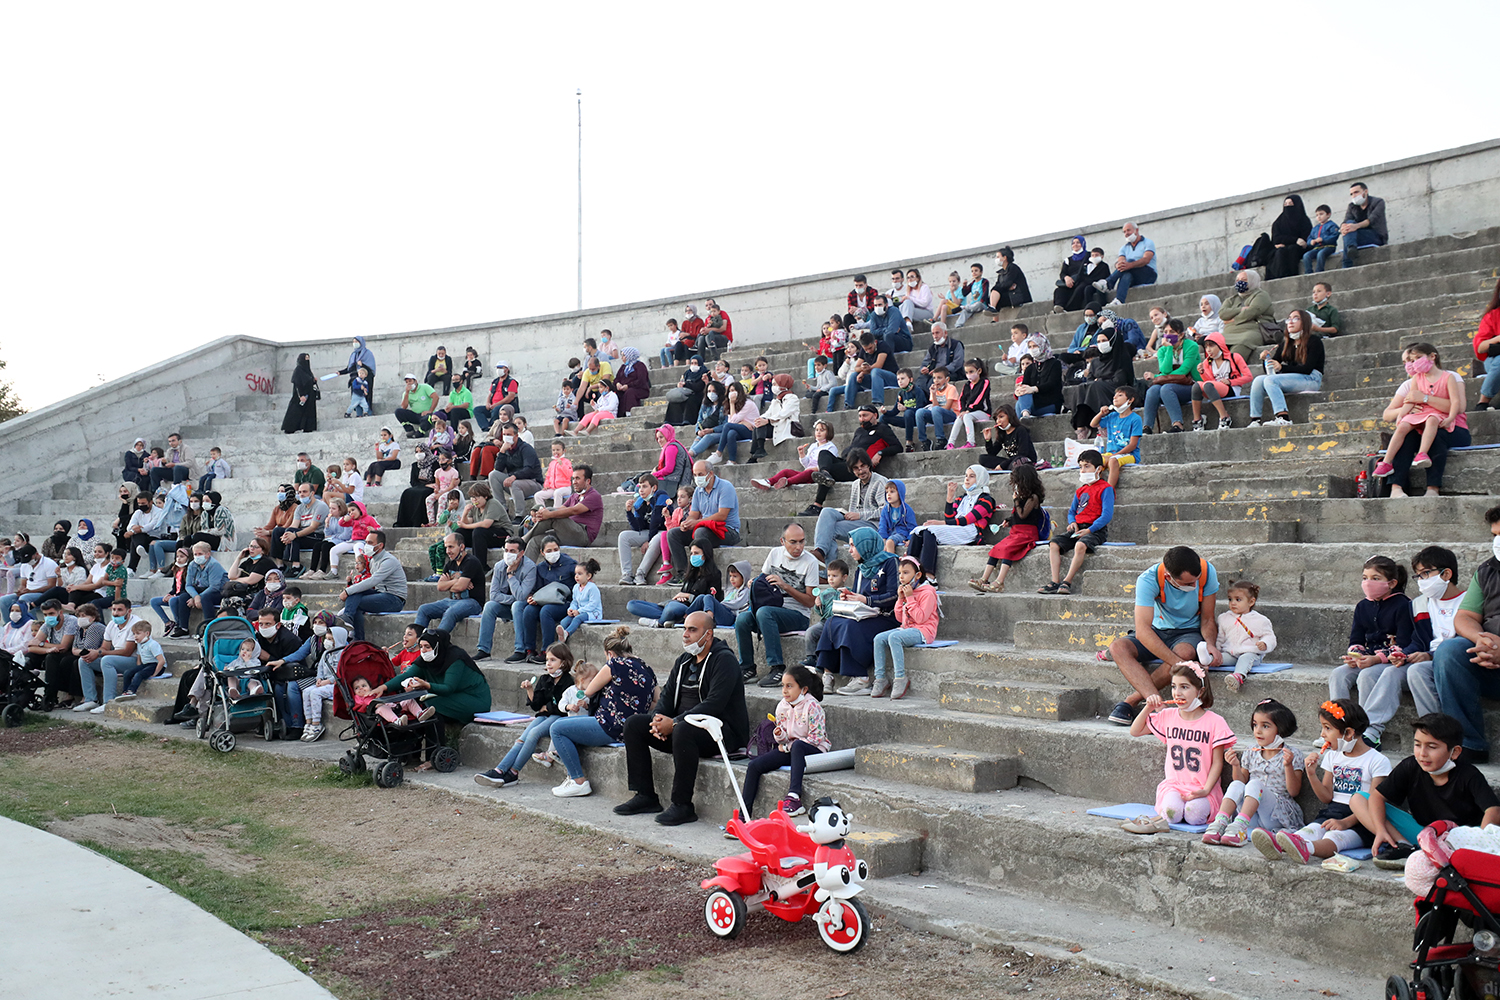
(261, 383)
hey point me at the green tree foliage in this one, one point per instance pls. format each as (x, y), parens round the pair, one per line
(10, 403)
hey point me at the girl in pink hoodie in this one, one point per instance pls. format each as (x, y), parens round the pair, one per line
(359, 520)
(917, 611)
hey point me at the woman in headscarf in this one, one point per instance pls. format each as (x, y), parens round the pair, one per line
(1009, 288)
(775, 421)
(1070, 275)
(1209, 322)
(445, 678)
(1039, 386)
(847, 645)
(1242, 313)
(57, 543)
(965, 517)
(674, 465)
(361, 355)
(128, 492)
(1289, 235)
(302, 410)
(1111, 363)
(135, 465)
(632, 381)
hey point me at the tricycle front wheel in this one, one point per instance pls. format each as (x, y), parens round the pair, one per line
(724, 912)
(854, 924)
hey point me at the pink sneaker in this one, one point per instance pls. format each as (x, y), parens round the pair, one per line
(1234, 681)
(664, 579)
(951, 447)
(1383, 469)
(1422, 461)
(1428, 840)
(1294, 846)
(969, 445)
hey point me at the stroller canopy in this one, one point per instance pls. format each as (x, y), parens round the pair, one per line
(360, 659)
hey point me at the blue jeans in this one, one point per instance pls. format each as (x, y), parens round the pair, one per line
(1023, 407)
(938, 417)
(528, 621)
(770, 623)
(484, 416)
(1123, 281)
(159, 605)
(177, 474)
(133, 677)
(108, 667)
(1460, 685)
(357, 403)
(526, 744)
(552, 616)
(666, 357)
(832, 526)
(158, 551)
(1172, 396)
(707, 442)
(25, 600)
(723, 617)
(1275, 388)
(902, 418)
(493, 610)
(730, 438)
(372, 602)
(568, 735)
(896, 641)
(206, 482)
(877, 382)
(451, 610)
(1318, 256)
(288, 695)
(182, 614)
(1491, 383)
(1360, 238)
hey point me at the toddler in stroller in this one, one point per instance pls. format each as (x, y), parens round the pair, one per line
(394, 736)
(246, 660)
(398, 713)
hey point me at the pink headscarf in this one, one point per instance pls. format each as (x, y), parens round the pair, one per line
(666, 462)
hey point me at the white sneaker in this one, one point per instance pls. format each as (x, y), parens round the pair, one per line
(764, 484)
(97, 710)
(649, 622)
(1113, 303)
(860, 685)
(1254, 423)
(729, 463)
(1102, 285)
(571, 789)
(87, 706)
(125, 696)
(1280, 422)
(153, 575)
(715, 459)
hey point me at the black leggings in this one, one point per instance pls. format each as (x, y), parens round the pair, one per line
(924, 549)
(837, 468)
(375, 470)
(60, 672)
(767, 762)
(212, 541)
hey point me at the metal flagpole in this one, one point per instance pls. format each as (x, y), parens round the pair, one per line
(580, 198)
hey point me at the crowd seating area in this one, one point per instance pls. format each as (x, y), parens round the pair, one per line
(986, 769)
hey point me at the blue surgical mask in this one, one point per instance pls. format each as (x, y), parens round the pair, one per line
(50, 620)
(280, 497)
(695, 559)
(117, 619)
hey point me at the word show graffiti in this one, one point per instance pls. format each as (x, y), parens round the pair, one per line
(261, 383)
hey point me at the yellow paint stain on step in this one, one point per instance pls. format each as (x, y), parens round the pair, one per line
(1326, 445)
(1282, 449)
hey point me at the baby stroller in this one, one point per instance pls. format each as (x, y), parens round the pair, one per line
(223, 715)
(1467, 890)
(395, 746)
(20, 689)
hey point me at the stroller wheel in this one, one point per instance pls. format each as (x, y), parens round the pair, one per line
(222, 740)
(1428, 989)
(445, 759)
(388, 774)
(14, 715)
(1397, 988)
(352, 763)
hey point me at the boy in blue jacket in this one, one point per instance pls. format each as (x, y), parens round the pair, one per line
(897, 519)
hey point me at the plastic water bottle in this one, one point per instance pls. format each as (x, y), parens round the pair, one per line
(1362, 485)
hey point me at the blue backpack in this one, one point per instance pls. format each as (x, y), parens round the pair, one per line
(1044, 529)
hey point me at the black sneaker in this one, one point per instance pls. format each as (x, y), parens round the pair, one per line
(1392, 857)
(813, 510)
(537, 658)
(1373, 742)
(772, 679)
(824, 478)
(481, 654)
(1124, 714)
(639, 803)
(519, 656)
(675, 815)
(748, 675)
(496, 778)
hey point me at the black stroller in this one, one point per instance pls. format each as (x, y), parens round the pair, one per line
(20, 689)
(373, 736)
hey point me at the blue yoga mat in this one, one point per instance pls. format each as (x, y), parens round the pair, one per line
(936, 644)
(1130, 810)
(1259, 668)
(1116, 545)
(604, 621)
(1467, 447)
(501, 718)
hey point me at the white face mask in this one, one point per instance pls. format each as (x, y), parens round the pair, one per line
(700, 481)
(1446, 767)
(1087, 478)
(1035, 352)
(511, 557)
(269, 631)
(329, 642)
(1345, 746)
(195, 505)
(1191, 706)
(1495, 546)
(911, 282)
(552, 557)
(1105, 347)
(1294, 334)
(1358, 199)
(1432, 588)
(15, 616)
(272, 586)
(208, 506)
(429, 655)
(1275, 743)
(320, 629)
(1122, 409)
(695, 648)
(880, 310)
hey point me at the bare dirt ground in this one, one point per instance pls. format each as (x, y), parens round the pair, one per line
(411, 892)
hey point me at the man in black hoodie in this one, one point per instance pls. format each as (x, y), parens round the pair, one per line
(705, 680)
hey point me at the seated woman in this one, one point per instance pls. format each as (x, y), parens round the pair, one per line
(710, 419)
(1242, 313)
(387, 457)
(1221, 374)
(674, 466)
(776, 419)
(1431, 393)
(624, 687)
(685, 399)
(1295, 365)
(444, 677)
(807, 456)
(847, 645)
(1289, 233)
(556, 572)
(135, 465)
(702, 590)
(741, 413)
(1009, 288)
(1043, 378)
(1176, 364)
(1112, 365)
(965, 519)
(1008, 442)
(1070, 277)
(632, 380)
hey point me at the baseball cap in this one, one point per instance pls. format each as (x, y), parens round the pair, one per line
(410, 376)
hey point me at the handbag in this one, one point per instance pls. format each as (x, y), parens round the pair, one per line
(552, 593)
(797, 431)
(854, 609)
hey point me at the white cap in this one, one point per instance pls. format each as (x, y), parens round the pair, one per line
(410, 376)
(502, 364)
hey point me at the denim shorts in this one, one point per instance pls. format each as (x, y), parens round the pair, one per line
(1170, 637)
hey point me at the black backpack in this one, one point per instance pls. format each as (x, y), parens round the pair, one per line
(1260, 252)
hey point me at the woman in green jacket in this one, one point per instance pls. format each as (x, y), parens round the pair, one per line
(447, 679)
(1176, 366)
(1242, 313)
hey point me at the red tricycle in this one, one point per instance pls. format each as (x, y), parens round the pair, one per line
(789, 871)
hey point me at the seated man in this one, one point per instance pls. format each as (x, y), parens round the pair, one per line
(1136, 265)
(1364, 222)
(513, 582)
(462, 578)
(791, 571)
(1467, 667)
(203, 590)
(382, 592)
(280, 647)
(99, 669)
(703, 681)
(575, 522)
(866, 497)
(1174, 612)
(417, 405)
(176, 464)
(305, 532)
(713, 517)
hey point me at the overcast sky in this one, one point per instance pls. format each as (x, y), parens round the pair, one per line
(176, 172)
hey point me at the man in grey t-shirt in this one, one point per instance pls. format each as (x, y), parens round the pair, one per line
(792, 571)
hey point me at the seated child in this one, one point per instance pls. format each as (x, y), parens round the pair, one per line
(1089, 514)
(826, 594)
(437, 555)
(903, 412)
(897, 519)
(1196, 740)
(543, 696)
(1267, 777)
(1350, 767)
(801, 730)
(1025, 522)
(565, 410)
(672, 520)
(1381, 631)
(917, 614)
(1245, 635)
(317, 693)
(294, 613)
(1122, 428)
(823, 379)
(404, 651)
(248, 658)
(150, 661)
(557, 481)
(397, 713)
(1434, 784)
(587, 604)
(674, 336)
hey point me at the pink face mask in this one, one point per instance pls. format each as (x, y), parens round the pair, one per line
(1420, 365)
(1375, 589)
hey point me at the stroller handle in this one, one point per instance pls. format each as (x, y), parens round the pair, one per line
(713, 726)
